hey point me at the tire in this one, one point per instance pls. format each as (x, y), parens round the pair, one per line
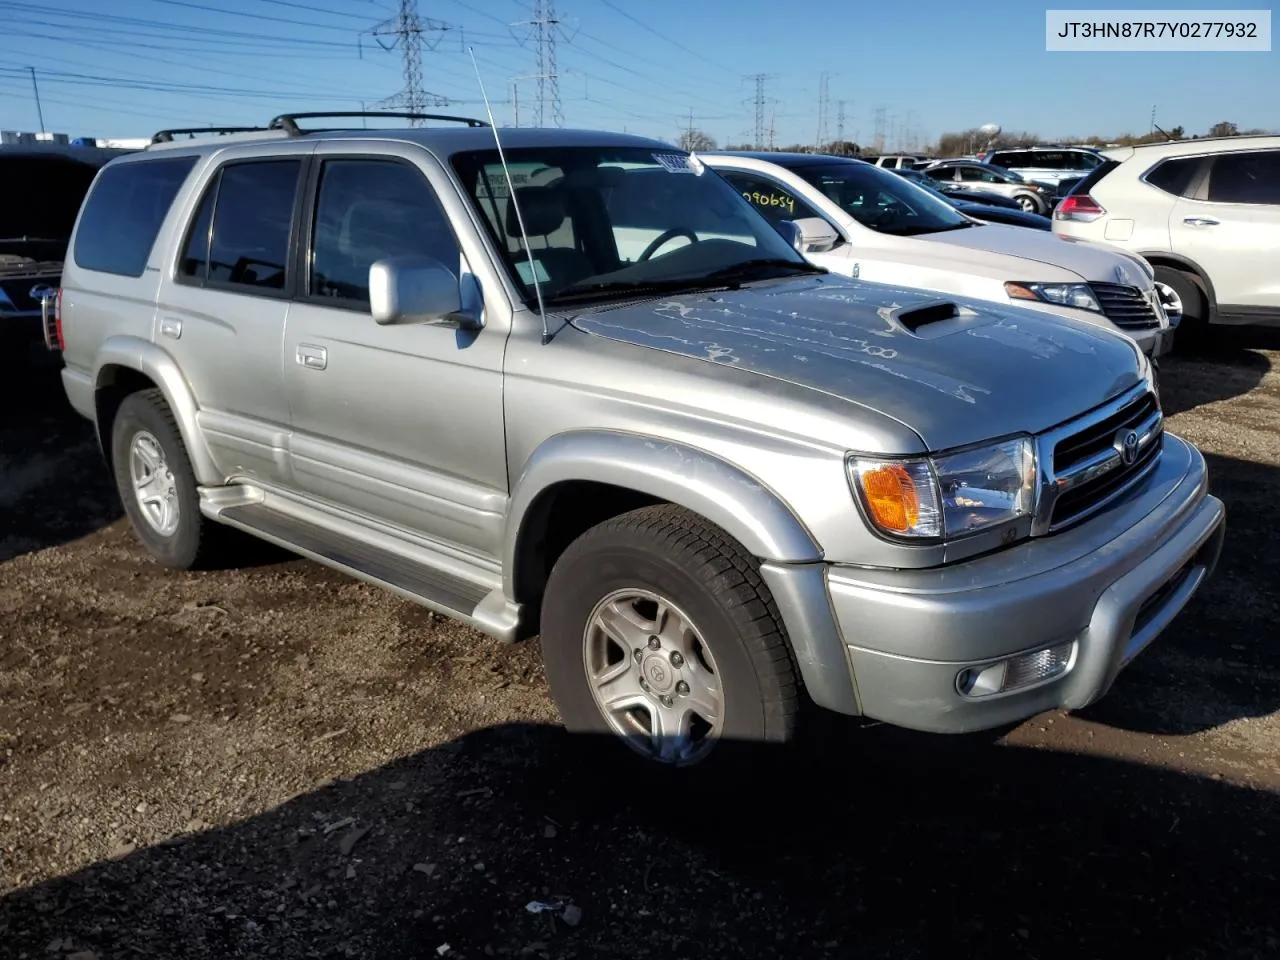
(1192, 331)
(1027, 203)
(707, 582)
(145, 441)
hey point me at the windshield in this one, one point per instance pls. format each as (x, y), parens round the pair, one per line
(922, 181)
(608, 221)
(883, 201)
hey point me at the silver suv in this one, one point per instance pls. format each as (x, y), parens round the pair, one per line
(591, 393)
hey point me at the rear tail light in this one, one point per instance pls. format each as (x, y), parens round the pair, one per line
(1081, 207)
(51, 320)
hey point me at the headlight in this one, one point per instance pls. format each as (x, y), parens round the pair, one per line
(950, 495)
(1077, 295)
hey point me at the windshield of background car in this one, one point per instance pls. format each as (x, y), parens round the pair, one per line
(618, 218)
(1007, 174)
(42, 198)
(883, 201)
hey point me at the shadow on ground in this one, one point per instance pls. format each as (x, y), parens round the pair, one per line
(881, 845)
(55, 486)
(1231, 367)
(1219, 660)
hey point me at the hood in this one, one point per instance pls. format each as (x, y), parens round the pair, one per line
(1088, 261)
(989, 372)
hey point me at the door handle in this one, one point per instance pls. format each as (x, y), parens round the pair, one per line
(311, 356)
(1200, 222)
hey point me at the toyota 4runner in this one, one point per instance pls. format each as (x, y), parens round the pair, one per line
(589, 393)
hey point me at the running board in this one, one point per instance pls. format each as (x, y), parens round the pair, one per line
(415, 578)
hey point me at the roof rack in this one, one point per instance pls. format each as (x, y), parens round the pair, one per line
(289, 121)
(166, 136)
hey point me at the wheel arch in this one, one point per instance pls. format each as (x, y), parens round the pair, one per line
(627, 471)
(126, 364)
(1163, 258)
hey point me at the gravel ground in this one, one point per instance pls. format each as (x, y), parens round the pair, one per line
(276, 761)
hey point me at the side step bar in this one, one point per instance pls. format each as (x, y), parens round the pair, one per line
(479, 605)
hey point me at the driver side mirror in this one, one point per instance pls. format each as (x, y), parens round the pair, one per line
(418, 289)
(810, 234)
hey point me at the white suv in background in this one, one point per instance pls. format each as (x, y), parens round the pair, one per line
(1205, 213)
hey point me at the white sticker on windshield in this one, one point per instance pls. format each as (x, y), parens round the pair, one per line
(678, 163)
(526, 271)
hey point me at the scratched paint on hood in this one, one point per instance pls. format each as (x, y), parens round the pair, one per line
(996, 370)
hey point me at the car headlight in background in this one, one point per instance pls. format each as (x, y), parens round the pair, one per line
(950, 495)
(1077, 295)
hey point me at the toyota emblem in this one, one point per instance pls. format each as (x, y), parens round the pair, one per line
(1127, 445)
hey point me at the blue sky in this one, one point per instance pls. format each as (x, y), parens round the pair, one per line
(128, 67)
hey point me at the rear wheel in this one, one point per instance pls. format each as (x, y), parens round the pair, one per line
(157, 485)
(1027, 203)
(657, 630)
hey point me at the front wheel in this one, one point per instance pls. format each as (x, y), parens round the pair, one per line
(1027, 203)
(658, 630)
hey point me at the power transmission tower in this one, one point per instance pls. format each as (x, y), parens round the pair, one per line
(546, 28)
(840, 120)
(878, 141)
(822, 109)
(772, 129)
(758, 102)
(408, 30)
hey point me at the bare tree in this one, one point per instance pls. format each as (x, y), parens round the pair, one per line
(1224, 129)
(692, 139)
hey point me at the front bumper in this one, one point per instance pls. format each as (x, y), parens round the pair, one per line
(909, 635)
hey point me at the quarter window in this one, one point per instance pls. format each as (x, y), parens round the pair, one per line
(1174, 176)
(368, 210)
(1252, 177)
(123, 214)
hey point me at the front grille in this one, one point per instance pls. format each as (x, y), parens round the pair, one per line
(1125, 306)
(1088, 468)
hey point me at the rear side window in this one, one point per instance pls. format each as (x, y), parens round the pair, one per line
(1174, 176)
(1011, 159)
(123, 214)
(1252, 177)
(240, 234)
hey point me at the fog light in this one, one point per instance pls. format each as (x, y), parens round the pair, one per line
(1016, 672)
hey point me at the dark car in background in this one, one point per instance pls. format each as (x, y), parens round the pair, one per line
(1006, 211)
(41, 188)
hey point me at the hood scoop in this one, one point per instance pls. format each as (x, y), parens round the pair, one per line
(928, 321)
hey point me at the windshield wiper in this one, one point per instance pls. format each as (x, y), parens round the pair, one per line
(750, 269)
(33, 239)
(611, 288)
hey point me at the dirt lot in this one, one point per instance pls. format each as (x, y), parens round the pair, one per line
(278, 762)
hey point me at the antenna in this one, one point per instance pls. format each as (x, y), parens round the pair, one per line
(511, 194)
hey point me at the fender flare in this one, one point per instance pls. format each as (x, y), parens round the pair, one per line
(692, 478)
(156, 364)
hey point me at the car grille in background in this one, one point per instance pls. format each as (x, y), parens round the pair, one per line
(1125, 306)
(1079, 459)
